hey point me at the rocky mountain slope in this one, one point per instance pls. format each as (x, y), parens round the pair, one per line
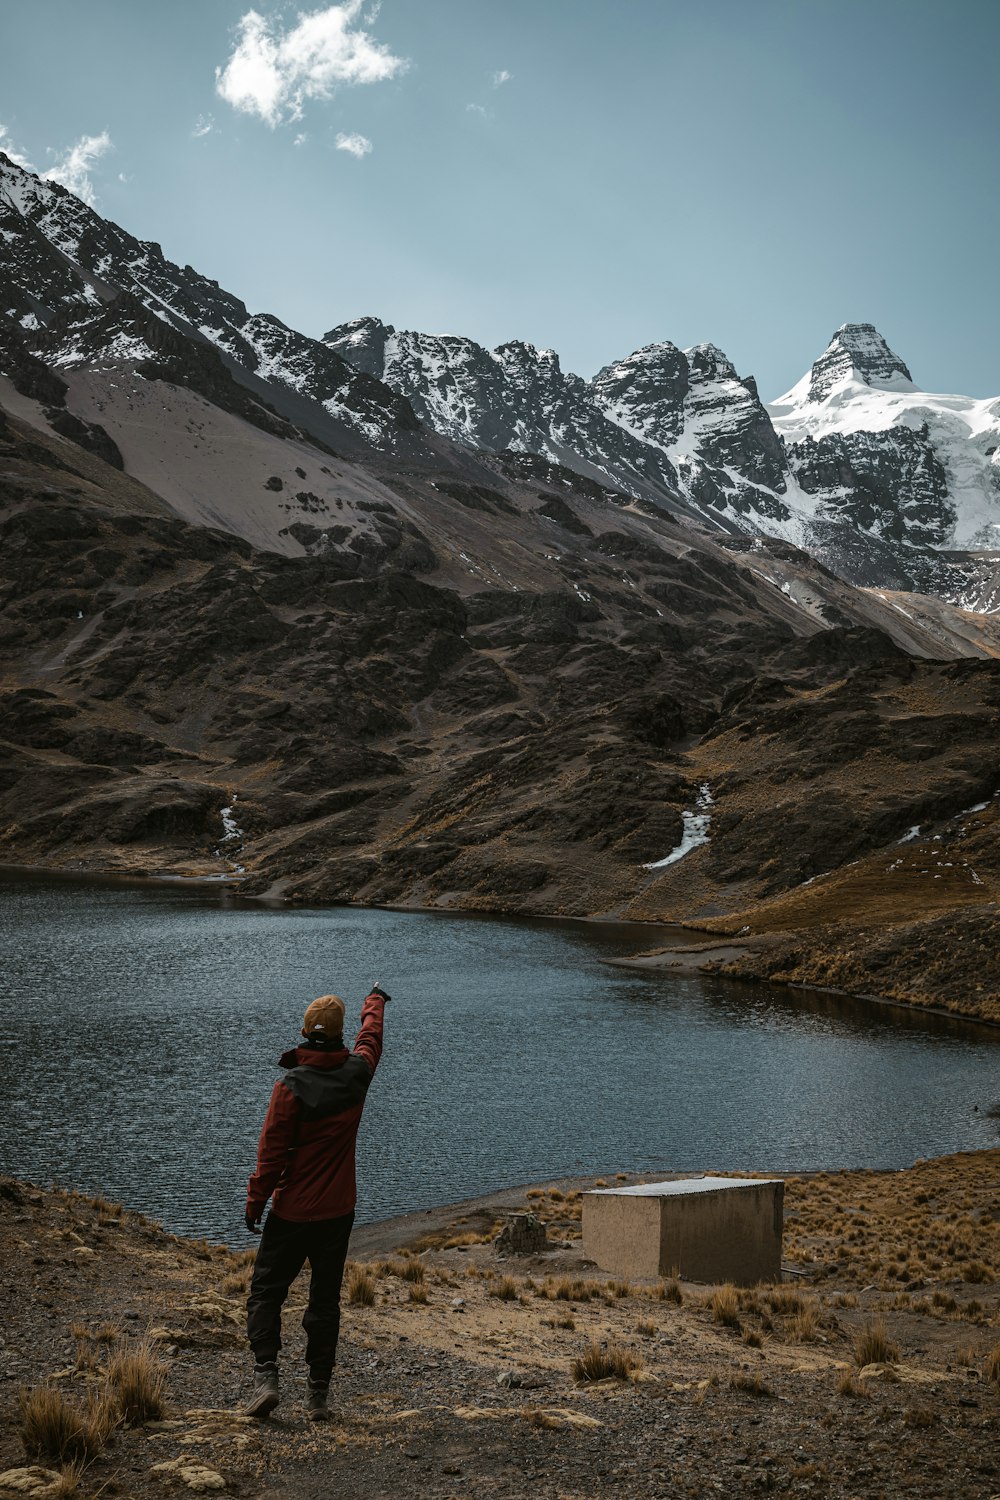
(855, 464)
(888, 485)
(264, 619)
(78, 292)
(376, 719)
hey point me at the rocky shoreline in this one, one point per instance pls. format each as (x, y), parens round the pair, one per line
(744, 960)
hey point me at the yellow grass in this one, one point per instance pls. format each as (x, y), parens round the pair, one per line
(360, 1287)
(610, 1362)
(873, 1346)
(53, 1430)
(138, 1380)
(750, 1384)
(725, 1305)
(506, 1289)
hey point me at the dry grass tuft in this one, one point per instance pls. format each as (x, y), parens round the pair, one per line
(108, 1210)
(413, 1270)
(572, 1289)
(991, 1365)
(50, 1428)
(609, 1363)
(418, 1291)
(725, 1305)
(670, 1291)
(750, 1384)
(505, 1290)
(138, 1380)
(360, 1287)
(975, 1272)
(646, 1329)
(70, 1479)
(805, 1325)
(782, 1299)
(464, 1240)
(847, 1385)
(236, 1282)
(920, 1416)
(873, 1346)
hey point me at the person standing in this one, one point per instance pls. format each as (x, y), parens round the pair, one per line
(306, 1160)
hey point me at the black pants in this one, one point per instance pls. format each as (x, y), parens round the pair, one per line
(284, 1248)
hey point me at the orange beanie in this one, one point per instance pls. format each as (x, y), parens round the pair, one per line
(324, 1018)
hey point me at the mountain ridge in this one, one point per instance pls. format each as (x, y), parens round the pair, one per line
(880, 481)
(721, 456)
(438, 674)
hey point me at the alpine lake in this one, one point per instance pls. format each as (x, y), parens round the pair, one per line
(142, 1023)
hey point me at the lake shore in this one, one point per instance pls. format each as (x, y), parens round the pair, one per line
(456, 1372)
(774, 957)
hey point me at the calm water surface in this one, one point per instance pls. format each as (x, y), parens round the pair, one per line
(140, 1029)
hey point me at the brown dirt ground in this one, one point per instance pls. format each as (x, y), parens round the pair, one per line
(472, 1393)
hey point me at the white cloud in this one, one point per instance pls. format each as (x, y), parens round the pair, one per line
(9, 149)
(74, 169)
(272, 73)
(301, 138)
(204, 125)
(500, 77)
(357, 145)
(477, 109)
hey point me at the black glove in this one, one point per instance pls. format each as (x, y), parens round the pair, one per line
(378, 990)
(252, 1219)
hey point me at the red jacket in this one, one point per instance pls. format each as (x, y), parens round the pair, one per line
(305, 1156)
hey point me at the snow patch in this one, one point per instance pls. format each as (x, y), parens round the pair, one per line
(231, 833)
(696, 826)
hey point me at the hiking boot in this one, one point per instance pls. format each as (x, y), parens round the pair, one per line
(265, 1392)
(317, 1409)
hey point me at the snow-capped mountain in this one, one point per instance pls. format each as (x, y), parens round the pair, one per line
(83, 292)
(888, 484)
(675, 426)
(855, 464)
(856, 425)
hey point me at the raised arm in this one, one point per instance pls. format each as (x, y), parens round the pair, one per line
(368, 1042)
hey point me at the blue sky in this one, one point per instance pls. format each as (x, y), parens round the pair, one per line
(750, 172)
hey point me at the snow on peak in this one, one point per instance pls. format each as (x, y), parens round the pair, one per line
(859, 391)
(858, 351)
(357, 331)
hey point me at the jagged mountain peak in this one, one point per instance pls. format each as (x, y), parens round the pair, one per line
(650, 357)
(357, 330)
(857, 351)
(520, 354)
(709, 360)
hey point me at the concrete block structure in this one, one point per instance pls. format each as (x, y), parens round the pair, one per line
(708, 1229)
